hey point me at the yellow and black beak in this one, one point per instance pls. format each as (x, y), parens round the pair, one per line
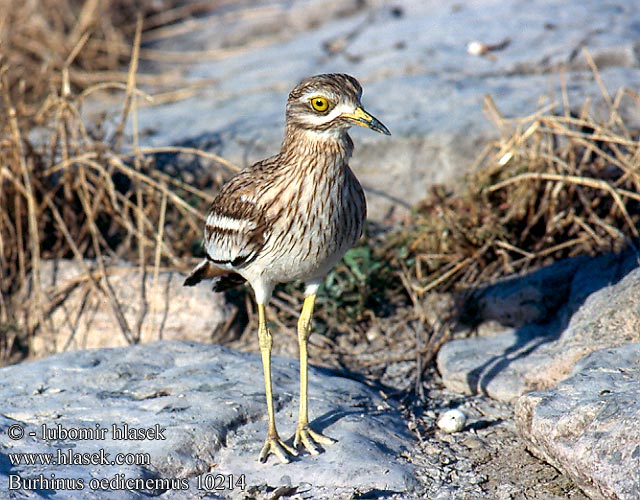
(364, 119)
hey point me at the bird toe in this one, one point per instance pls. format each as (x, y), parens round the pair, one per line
(310, 440)
(275, 446)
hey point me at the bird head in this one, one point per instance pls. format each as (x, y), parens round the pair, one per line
(329, 104)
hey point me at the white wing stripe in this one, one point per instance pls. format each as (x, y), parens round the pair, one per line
(223, 222)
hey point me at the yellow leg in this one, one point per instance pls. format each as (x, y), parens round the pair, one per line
(273, 445)
(305, 436)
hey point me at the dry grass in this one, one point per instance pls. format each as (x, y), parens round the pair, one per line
(76, 190)
(90, 40)
(558, 184)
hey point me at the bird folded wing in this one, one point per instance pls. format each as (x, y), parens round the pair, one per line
(235, 231)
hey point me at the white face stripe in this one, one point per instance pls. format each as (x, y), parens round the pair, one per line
(319, 119)
(227, 223)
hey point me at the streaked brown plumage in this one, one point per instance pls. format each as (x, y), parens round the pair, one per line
(292, 217)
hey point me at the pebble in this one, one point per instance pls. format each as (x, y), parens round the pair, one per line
(452, 421)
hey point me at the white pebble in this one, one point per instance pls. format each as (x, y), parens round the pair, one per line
(452, 421)
(476, 48)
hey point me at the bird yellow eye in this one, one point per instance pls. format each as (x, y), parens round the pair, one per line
(320, 104)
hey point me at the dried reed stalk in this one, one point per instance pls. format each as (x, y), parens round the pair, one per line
(557, 184)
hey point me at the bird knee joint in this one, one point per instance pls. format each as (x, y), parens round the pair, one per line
(265, 341)
(304, 330)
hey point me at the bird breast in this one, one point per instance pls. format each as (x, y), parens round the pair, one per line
(316, 218)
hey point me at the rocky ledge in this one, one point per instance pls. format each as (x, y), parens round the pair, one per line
(575, 345)
(589, 425)
(188, 420)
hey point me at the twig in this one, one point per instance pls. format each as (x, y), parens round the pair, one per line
(131, 84)
(156, 264)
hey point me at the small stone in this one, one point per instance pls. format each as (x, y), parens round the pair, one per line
(452, 421)
(476, 48)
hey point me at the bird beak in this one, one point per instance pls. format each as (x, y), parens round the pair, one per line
(364, 119)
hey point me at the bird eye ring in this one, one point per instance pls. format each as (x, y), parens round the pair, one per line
(320, 104)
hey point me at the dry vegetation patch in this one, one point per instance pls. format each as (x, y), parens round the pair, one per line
(91, 39)
(557, 184)
(70, 189)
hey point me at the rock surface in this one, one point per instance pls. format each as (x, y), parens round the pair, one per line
(411, 57)
(536, 355)
(487, 459)
(210, 401)
(587, 426)
(87, 318)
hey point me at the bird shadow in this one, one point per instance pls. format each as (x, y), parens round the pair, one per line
(330, 418)
(528, 339)
(358, 407)
(580, 277)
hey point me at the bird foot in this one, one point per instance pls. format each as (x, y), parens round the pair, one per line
(275, 446)
(310, 439)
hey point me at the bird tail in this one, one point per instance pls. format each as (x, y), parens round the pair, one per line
(222, 278)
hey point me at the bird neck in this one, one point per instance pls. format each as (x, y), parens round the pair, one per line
(333, 146)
